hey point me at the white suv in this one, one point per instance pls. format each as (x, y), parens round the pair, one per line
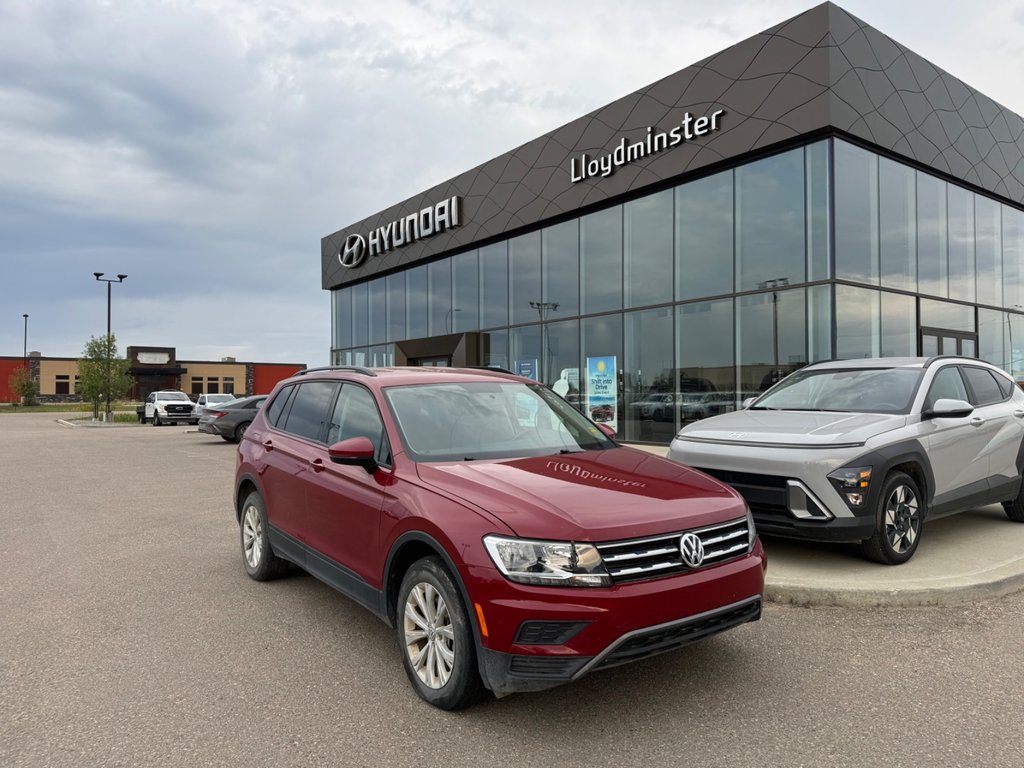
(868, 450)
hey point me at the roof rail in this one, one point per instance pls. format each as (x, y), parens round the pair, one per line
(356, 368)
(495, 368)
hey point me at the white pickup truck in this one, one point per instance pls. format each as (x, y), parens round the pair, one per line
(166, 406)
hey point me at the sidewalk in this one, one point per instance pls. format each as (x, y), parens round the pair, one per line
(966, 557)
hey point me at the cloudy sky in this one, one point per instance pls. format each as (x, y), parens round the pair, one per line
(204, 147)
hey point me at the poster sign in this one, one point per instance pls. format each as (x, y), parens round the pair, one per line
(528, 368)
(602, 388)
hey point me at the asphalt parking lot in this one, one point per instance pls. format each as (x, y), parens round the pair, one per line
(131, 636)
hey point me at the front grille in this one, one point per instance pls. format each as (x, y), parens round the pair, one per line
(667, 638)
(766, 495)
(548, 632)
(658, 556)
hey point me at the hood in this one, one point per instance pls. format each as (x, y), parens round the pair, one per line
(618, 493)
(792, 428)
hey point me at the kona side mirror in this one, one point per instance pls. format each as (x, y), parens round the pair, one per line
(748, 402)
(356, 451)
(948, 408)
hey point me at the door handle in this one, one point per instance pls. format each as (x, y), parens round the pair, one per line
(317, 464)
(1019, 414)
(268, 445)
(977, 421)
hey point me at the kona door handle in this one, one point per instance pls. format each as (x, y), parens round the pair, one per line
(1019, 414)
(977, 421)
(317, 464)
(268, 445)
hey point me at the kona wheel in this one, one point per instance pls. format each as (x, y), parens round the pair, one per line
(438, 650)
(898, 521)
(1015, 509)
(259, 559)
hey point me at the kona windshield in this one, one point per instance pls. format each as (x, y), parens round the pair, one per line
(489, 420)
(877, 390)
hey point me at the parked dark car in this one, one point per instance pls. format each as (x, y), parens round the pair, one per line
(231, 419)
(511, 542)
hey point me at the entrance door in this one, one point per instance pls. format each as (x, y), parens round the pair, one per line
(940, 341)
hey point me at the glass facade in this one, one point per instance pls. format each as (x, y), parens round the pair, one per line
(693, 298)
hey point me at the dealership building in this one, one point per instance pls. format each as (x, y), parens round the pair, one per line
(815, 192)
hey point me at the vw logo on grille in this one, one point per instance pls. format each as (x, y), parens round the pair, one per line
(692, 549)
(353, 252)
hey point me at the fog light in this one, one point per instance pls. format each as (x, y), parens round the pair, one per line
(855, 499)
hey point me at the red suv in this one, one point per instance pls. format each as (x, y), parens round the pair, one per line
(511, 542)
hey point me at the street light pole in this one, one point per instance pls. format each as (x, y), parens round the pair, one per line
(107, 347)
(543, 307)
(448, 319)
(25, 348)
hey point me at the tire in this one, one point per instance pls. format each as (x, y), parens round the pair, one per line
(435, 637)
(899, 520)
(240, 431)
(261, 564)
(1015, 508)
(156, 419)
(142, 418)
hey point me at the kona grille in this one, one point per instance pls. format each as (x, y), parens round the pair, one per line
(656, 556)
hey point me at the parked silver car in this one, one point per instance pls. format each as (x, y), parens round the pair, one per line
(869, 450)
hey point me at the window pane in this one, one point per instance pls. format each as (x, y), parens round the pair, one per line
(704, 234)
(857, 323)
(526, 351)
(602, 338)
(961, 244)
(856, 213)
(601, 260)
(494, 285)
(416, 303)
(899, 325)
(360, 314)
(561, 249)
(562, 359)
(942, 314)
(524, 268)
(466, 302)
(819, 323)
(932, 260)
(355, 415)
(342, 318)
(494, 349)
(771, 337)
(988, 234)
(816, 161)
(898, 225)
(705, 362)
(648, 249)
(1013, 258)
(396, 307)
(439, 283)
(770, 220)
(649, 370)
(308, 412)
(992, 342)
(378, 310)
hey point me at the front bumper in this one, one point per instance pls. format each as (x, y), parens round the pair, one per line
(598, 628)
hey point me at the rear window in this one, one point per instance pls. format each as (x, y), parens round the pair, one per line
(278, 406)
(307, 416)
(984, 389)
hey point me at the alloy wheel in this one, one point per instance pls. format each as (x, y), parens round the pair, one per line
(252, 536)
(902, 521)
(429, 635)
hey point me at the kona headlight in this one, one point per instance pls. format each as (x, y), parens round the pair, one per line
(550, 563)
(852, 483)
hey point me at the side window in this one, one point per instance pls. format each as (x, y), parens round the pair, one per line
(277, 407)
(948, 384)
(356, 415)
(1005, 385)
(983, 386)
(308, 411)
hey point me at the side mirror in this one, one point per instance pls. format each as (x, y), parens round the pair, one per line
(356, 451)
(748, 402)
(948, 408)
(608, 431)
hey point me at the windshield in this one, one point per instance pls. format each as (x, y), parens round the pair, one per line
(172, 396)
(873, 390)
(489, 420)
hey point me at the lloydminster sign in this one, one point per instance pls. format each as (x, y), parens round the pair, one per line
(625, 152)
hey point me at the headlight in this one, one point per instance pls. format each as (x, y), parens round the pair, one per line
(552, 563)
(852, 484)
(751, 530)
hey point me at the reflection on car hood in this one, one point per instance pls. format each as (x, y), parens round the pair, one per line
(792, 428)
(588, 496)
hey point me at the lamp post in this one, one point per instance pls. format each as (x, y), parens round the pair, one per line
(24, 352)
(448, 319)
(544, 307)
(109, 352)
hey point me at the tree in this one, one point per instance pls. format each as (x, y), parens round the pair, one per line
(101, 372)
(22, 384)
